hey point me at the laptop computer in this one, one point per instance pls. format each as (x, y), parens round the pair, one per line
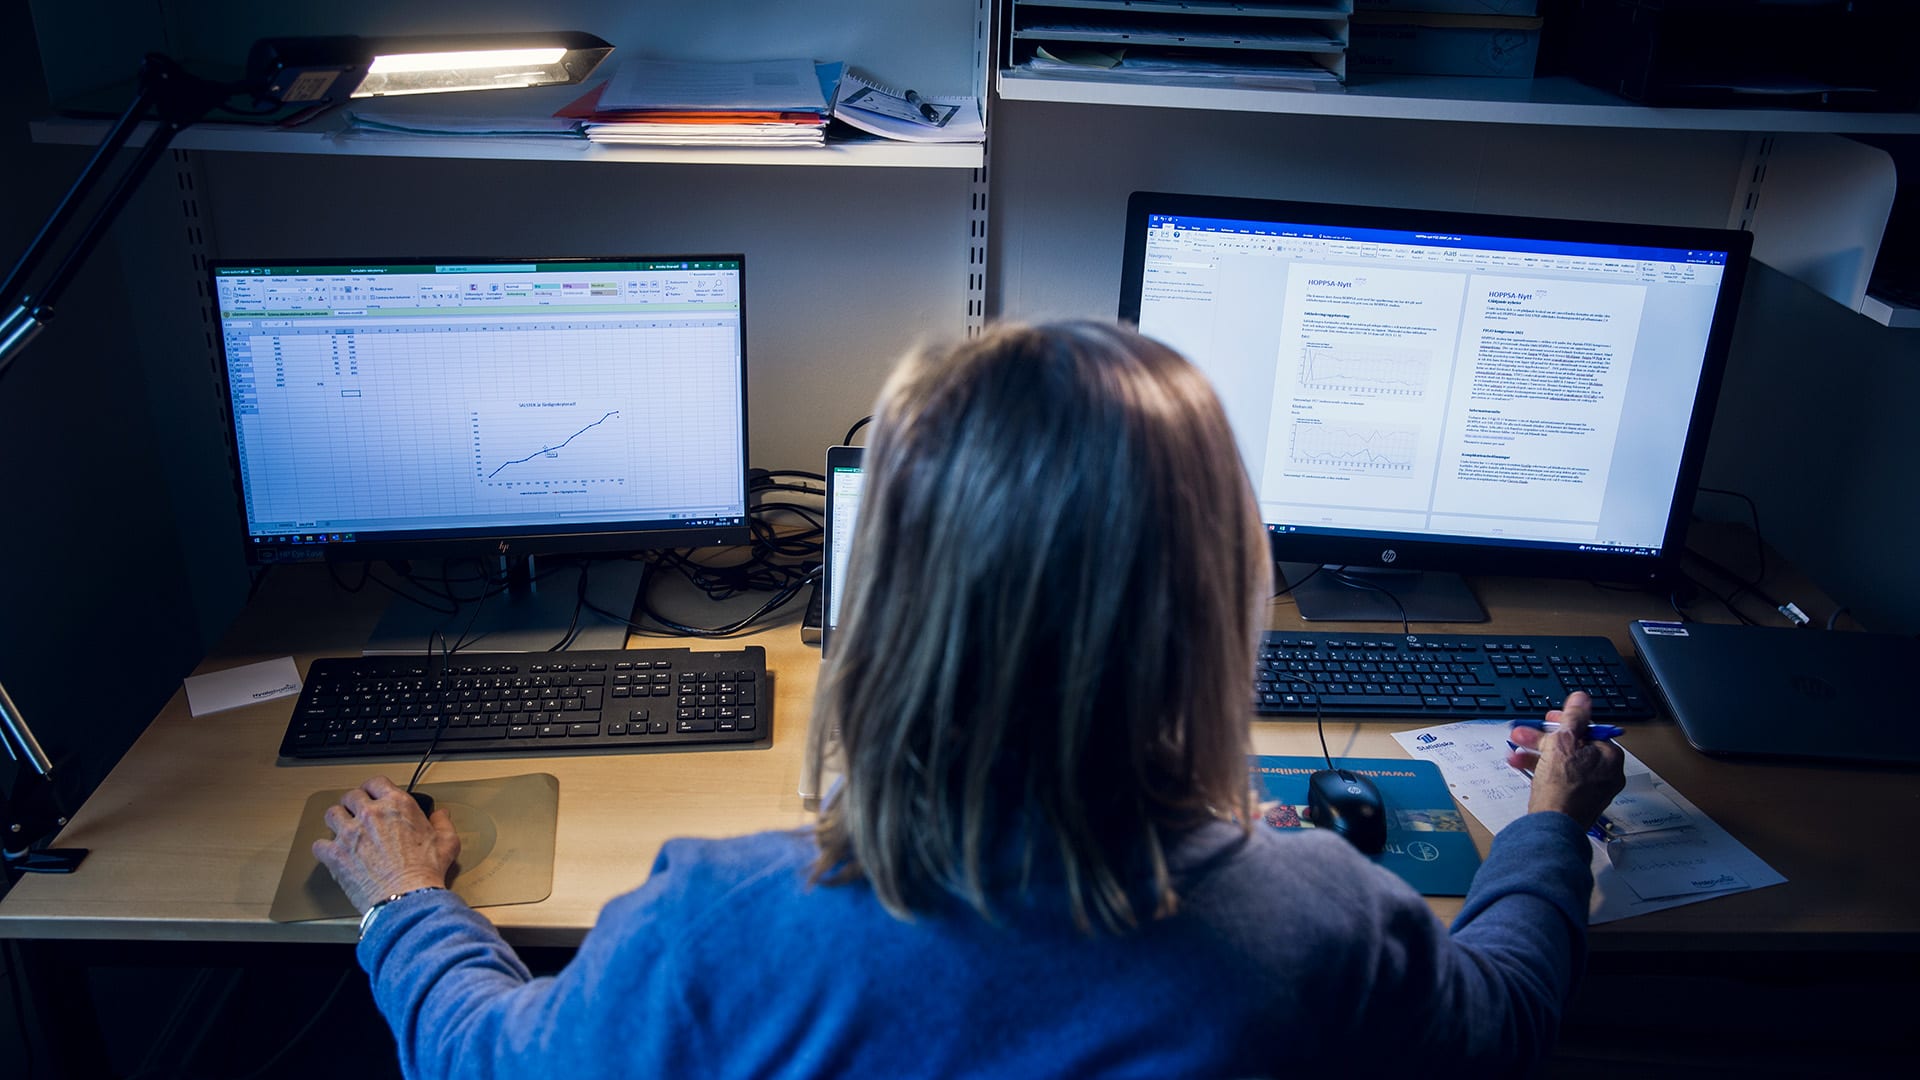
(845, 481)
(1763, 691)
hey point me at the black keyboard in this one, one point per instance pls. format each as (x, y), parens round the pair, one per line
(1446, 676)
(529, 703)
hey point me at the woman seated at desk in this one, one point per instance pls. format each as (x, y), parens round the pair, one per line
(1041, 859)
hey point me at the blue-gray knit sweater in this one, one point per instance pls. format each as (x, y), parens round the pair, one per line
(1289, 950)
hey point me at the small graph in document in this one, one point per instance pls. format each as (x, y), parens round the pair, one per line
(1369, 449)
(518, 445)
(1365, 370)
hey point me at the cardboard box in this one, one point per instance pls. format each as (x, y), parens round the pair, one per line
(1427, 44)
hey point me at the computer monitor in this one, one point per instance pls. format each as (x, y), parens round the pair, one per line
(435, 408)
(1453, 393)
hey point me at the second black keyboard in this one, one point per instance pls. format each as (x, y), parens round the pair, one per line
(1445, 676)
(529, 703)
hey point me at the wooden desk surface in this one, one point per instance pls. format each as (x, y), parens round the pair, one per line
(191, 830)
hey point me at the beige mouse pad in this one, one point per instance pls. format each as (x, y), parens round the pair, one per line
(506, 826)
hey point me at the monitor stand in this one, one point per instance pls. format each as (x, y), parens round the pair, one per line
(1426, 595)
(531, 615)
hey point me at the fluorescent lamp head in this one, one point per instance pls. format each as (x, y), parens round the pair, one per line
(323, 70)
(486, 62)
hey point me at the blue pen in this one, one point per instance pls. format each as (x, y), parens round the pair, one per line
(1594, 731)
(1511, 745)
(1602, 829)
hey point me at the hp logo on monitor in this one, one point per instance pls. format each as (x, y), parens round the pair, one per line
(1389, 555)
(1814, 687)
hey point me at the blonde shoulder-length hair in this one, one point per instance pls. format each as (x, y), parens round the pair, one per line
(1046, 644)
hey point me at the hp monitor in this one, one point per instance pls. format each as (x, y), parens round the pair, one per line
(1445, 392)
(434, 408)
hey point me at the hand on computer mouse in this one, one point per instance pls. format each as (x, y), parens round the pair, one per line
(1571, 774)
(383, 845)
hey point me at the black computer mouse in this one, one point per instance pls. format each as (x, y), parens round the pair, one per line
(425, 800)
(1349, 804)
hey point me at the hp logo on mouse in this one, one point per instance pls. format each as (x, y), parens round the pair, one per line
(1389, 555)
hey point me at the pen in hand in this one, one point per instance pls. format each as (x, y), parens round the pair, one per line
(1594, 731)
(926, 109)
(1602, 830)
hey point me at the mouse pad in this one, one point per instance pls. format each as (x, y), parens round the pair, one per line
(1427, 840)
(506, 826)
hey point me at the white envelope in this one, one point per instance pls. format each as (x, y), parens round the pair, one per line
(248, 684)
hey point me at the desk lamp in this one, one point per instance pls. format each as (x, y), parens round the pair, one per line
(312, 72)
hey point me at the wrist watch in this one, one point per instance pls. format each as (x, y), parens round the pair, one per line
(366, 920)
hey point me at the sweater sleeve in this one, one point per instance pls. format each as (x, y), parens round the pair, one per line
(461, 1003)
(1488, 994)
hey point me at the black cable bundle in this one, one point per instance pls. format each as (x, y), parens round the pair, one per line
(780, 559)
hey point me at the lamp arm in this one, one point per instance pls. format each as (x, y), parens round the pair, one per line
(32, 810)
(18, 738)
(179, 99)
(42, 302)
(82, 185)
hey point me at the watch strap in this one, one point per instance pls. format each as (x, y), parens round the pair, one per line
(366, 919)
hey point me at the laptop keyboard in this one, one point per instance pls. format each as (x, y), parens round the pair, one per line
(1447, 676)
(529, 703)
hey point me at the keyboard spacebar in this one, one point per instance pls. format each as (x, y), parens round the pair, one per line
(1376, 701)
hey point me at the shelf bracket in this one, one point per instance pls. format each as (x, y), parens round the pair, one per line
(1753, 172)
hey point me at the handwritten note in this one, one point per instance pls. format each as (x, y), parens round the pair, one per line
(1663, 851)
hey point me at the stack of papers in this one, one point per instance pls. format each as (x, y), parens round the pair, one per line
(1655, 849)
(688, 103)
(386, 122)
(1269, 72)
(878, 109)
(695, 103)
(523, 113)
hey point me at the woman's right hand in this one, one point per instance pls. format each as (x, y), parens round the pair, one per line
(1571, 773)
(383, 846)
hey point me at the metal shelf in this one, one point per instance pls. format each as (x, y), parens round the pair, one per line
(878, 153)
(1889, 313)
(1559, 102)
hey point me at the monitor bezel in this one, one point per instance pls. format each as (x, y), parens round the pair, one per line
(1473, 555)
(596, 538)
